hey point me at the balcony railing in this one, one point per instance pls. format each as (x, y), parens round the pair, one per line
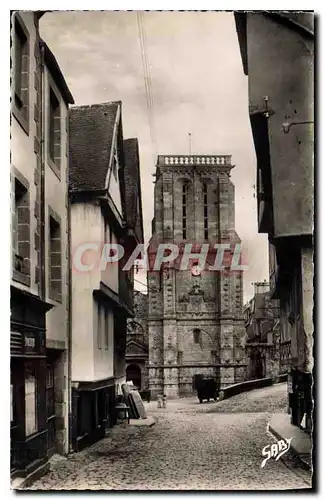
(220, 160)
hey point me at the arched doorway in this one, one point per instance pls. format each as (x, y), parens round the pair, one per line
(258, 366)
(133, 372)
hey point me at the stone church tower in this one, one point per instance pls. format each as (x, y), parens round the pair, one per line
(195, 317)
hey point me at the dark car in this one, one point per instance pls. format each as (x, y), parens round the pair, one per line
(207, 388)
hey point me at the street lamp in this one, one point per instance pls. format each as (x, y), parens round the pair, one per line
(287, 125)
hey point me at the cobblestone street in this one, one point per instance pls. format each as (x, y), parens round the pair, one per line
(192, 446)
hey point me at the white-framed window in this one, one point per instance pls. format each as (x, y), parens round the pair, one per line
(31, 423)
(14, 227)
(21, 71)
(107, 233)
(54, 128)
(102, 327)
(55, 259)
(20, 203)
(106, 331)
(99, 323)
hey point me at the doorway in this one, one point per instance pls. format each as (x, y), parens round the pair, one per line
(133, 373)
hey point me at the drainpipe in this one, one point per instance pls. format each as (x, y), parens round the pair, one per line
(69, 298)
(42, 181)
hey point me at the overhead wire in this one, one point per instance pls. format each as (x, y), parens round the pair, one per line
(150, 86)
(148, 96)
(147, 83)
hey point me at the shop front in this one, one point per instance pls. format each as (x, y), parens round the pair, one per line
(28, 422)
(93, 405)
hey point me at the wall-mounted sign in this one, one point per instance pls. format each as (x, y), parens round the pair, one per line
(30, 342)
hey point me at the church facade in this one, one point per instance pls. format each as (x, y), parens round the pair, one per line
(195, 315)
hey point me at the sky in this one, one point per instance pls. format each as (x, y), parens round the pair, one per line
(198, 86)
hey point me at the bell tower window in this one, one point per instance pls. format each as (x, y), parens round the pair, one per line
(184, 211)
(205, 195)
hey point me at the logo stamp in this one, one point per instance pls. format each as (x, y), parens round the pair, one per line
(275, 450)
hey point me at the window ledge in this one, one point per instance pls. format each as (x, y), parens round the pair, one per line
(55, 297)
(54, 167)
(22, 278)
(19, 117)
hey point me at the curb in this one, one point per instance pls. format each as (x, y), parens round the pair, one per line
(21, 483)
(304, 463)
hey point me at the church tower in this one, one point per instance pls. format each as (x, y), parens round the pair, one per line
(195, 322)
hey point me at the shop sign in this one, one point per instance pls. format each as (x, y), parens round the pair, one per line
(30, 342)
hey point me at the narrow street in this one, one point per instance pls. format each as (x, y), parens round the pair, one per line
(192, 446)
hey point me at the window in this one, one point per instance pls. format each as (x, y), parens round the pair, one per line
(197, 334)
(103, 327)
(108, 236)
(54, 133)
(184, 211)
(272, 265)
(99, 326)
(21, 228)
(50, 390)
(205, 194)
(21, 66)
(260, 185)
(50, 406)
(31, 423)
(106, 331)
(55, 260)
(19, 198)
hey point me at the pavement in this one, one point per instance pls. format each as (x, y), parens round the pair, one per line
(192, 446)
(149, 421)
(301, 444)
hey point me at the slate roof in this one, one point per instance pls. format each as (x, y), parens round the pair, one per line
(91, 133)
(133, 186)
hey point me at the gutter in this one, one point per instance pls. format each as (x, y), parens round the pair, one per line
(69, 299)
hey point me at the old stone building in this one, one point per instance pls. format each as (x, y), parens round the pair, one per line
(195, 320)
(39, 287)
(277, 50)
(262, 324)
(137, 343)
(105, 196)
